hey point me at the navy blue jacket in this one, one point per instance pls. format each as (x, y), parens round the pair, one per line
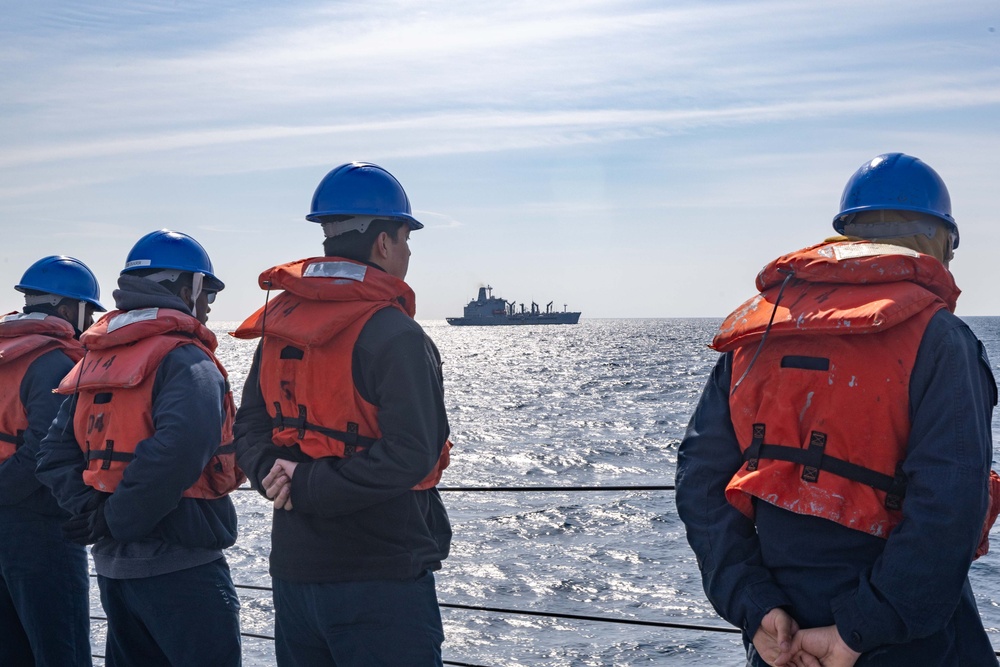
(154, 529)
(357, 518)
(903, 601)
(18, 483)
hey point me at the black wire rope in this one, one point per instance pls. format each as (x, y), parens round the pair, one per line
(598, 619)
(576, 617)
(523, 612)
(663, 487)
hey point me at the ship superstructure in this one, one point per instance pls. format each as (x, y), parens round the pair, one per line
(488, 310)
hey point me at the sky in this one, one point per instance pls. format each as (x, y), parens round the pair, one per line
(625, 158)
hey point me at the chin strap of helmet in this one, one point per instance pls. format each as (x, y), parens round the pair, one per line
(171, 275)
(81, 314)
(197, 282)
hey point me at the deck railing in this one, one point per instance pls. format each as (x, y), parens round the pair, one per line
(523, 612)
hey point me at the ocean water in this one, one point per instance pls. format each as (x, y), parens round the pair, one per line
(602, 403)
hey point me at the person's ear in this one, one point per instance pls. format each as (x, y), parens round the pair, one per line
(382, 243)
(185, 295)
(67, 312)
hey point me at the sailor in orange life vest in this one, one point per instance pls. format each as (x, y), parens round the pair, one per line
(141, 454)
(44, 586)
(342, 424)
(834, 478)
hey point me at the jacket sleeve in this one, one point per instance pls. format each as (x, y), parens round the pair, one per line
(61, 461)
(188, 396)
(255, 452)
(401, 374)
(17, 474)
(724, 541)
(915, 585)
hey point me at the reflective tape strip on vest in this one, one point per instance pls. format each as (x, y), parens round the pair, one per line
(822, 417)
(114, 387)
(309, 335)
(23, 339)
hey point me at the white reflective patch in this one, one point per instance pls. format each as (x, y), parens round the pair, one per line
(354, 223)
(42, 299)
(21, 316)
(138, 262)
(855, 250)
(166, 274)
(336, 270)
(131, 317)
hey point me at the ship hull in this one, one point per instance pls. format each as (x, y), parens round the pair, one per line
(515, 320)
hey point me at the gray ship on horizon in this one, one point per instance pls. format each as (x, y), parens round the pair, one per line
(487, 310)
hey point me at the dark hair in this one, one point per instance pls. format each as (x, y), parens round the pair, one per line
(358, 245)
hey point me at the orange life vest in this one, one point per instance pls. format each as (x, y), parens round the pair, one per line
(822, 416)
(114, 383)
(309, 333)
(23, 339)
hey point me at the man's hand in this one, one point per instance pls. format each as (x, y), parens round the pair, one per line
(90, 526)
(773, 639)
(822, 647)
(278, 484)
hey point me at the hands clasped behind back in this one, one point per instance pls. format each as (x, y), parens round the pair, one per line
(278, 483)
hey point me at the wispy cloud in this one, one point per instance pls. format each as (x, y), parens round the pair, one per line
(103, 103)
(533, 128)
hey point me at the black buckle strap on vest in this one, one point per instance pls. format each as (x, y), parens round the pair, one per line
(894, 496)
(817, 446)
(106, 456)
(753, 451)
(16, 440)
(109, 452)
(351, 438)
(299, 423)
(223, 450)
(351, 442)
(893, 485)
(302, 421)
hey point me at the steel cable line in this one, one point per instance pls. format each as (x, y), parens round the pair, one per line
(504, 489)
(523, 612)
(666, 487)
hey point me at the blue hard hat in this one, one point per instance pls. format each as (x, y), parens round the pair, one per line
(63, 276)
(361, 188)
(166, 249)
(899, 182)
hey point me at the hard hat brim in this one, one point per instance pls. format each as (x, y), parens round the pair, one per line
(839, 221)
(323, 216)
